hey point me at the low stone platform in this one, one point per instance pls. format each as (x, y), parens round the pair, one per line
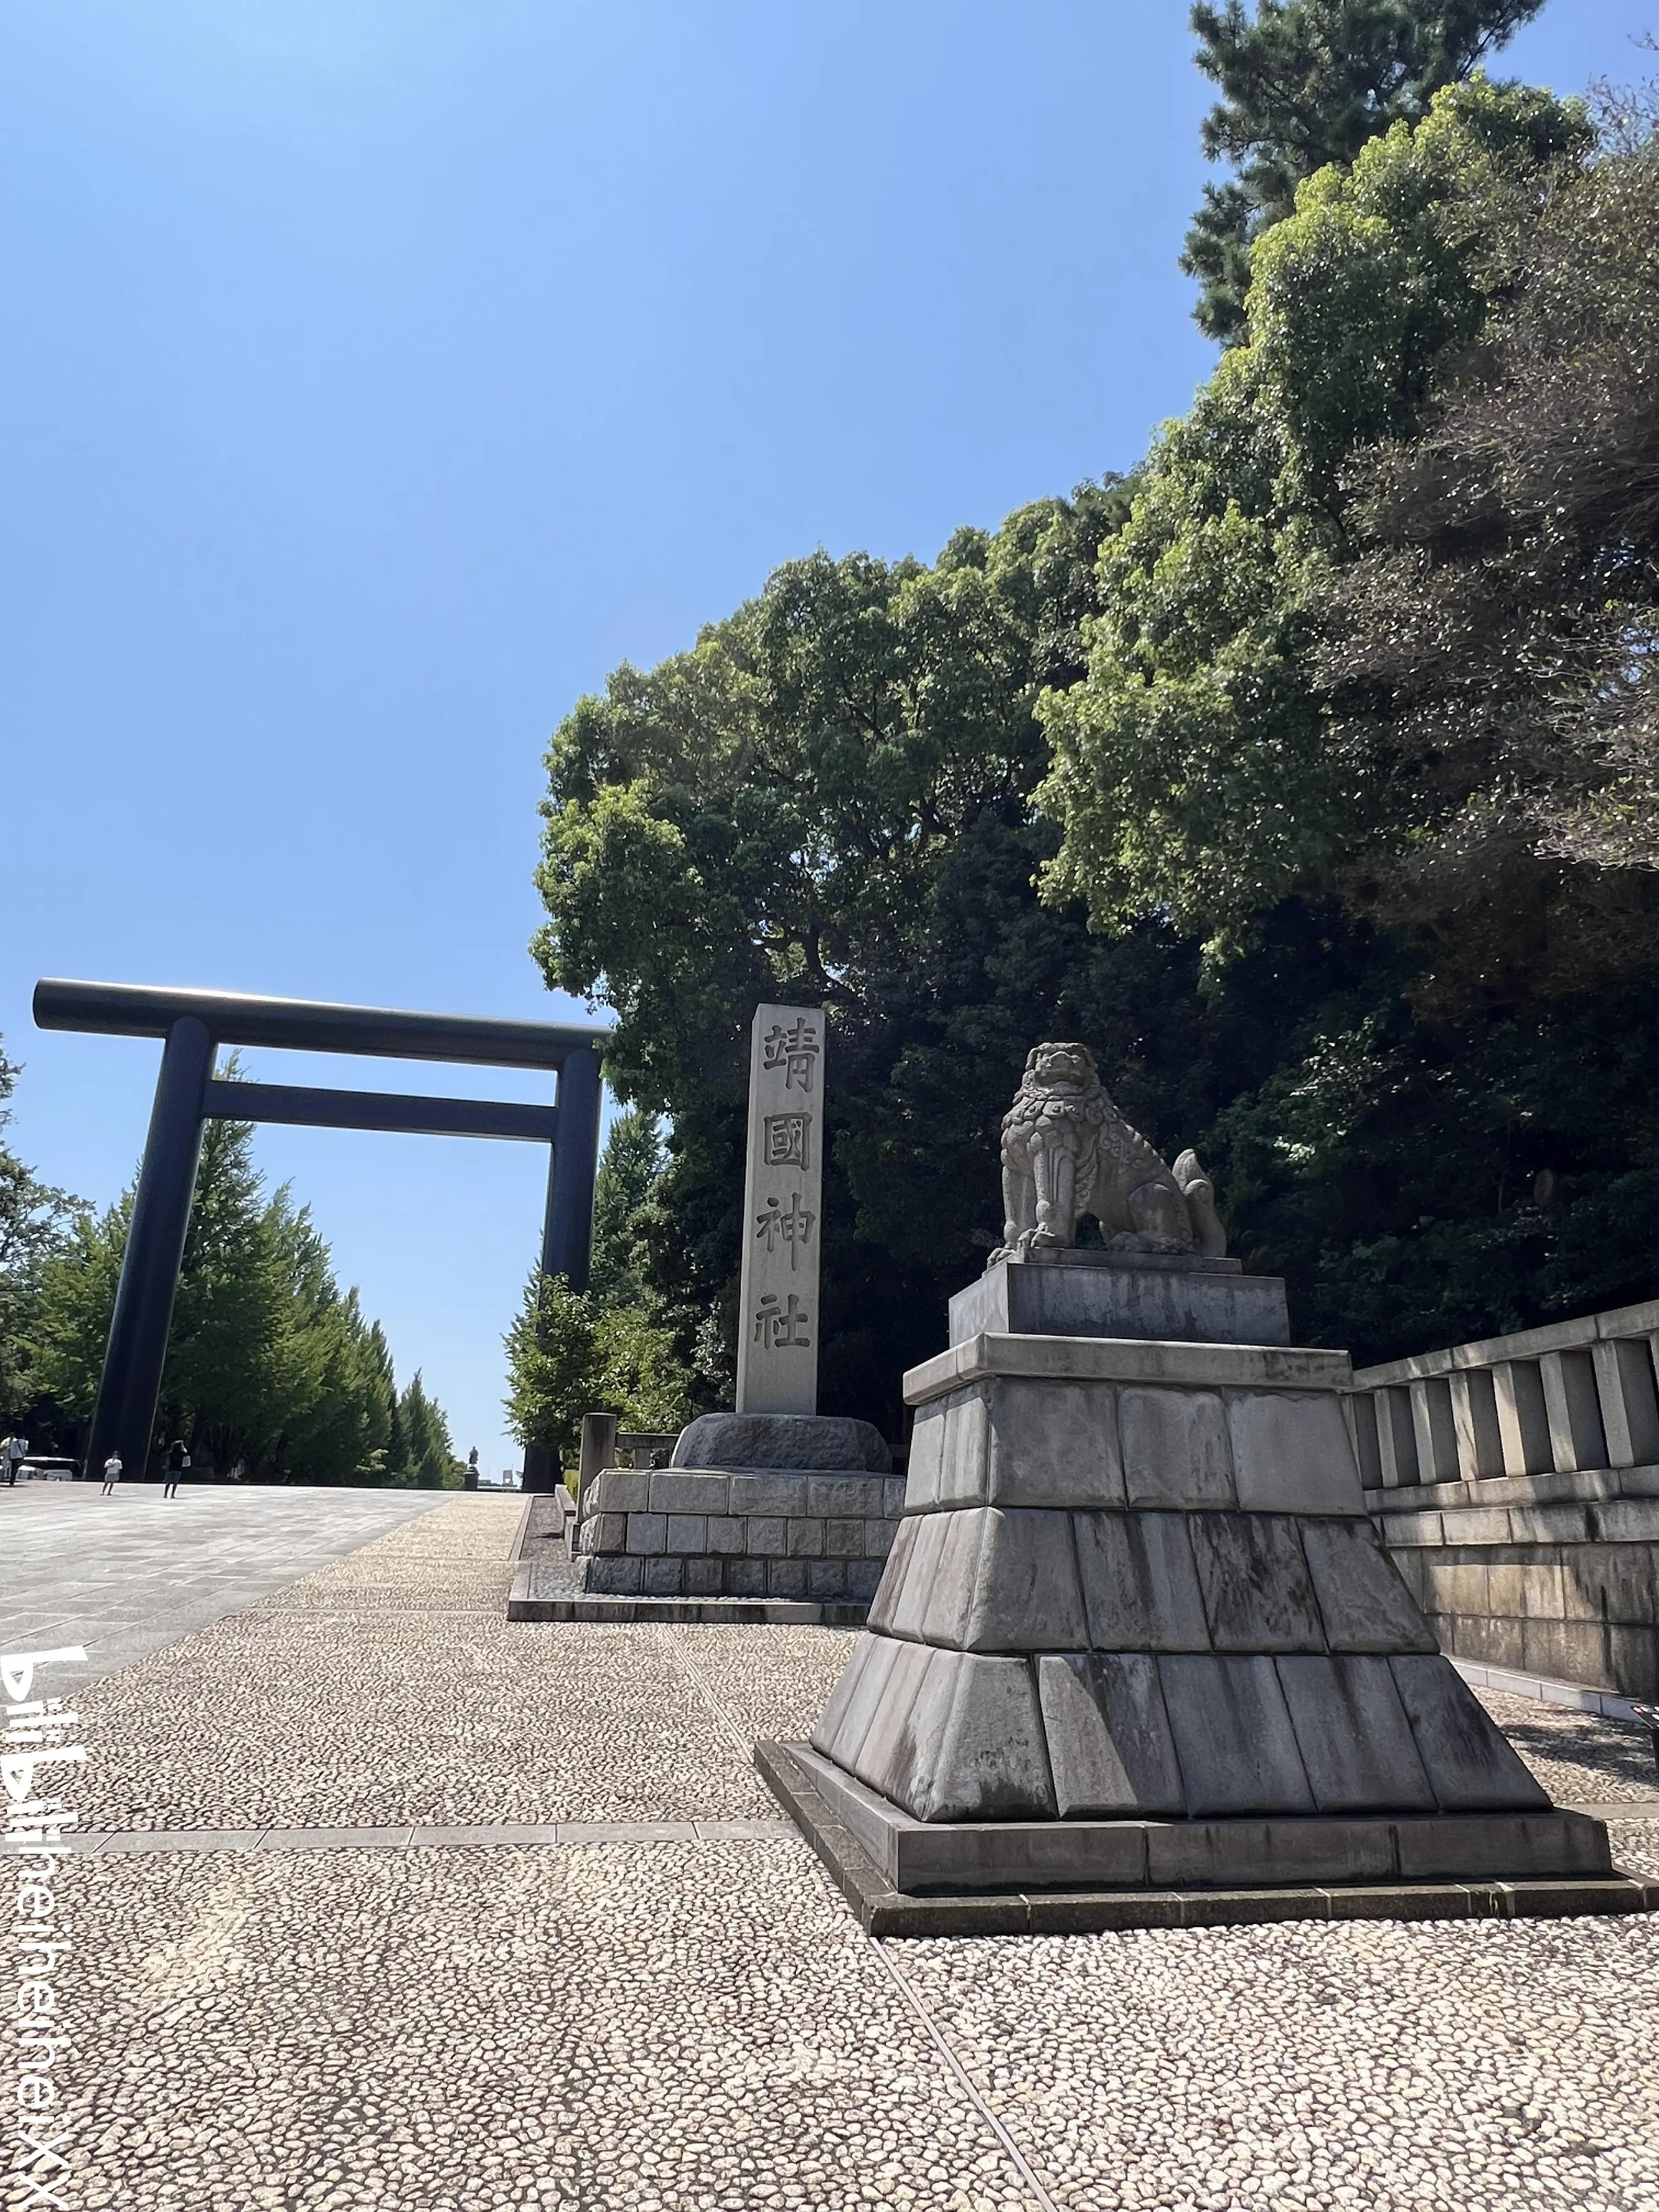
(760, 1533)
(1117, 1294)
(548, 1584)
(1030, 1878)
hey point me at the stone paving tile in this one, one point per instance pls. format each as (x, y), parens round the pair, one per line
(280, 1719)
(458, 1555)
(372, 1693)
(639, 2027)
(1475, 2067)
(1580, 1758)
(1636, 1849)
(125, 1576)
(698, 2025)
(773, 1681)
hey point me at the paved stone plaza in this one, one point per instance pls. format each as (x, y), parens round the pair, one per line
(307, 1977)
(124, 1574)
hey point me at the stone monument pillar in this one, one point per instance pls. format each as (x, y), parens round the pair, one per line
(772, 1512)
(778, 1315)
(1138, 1656)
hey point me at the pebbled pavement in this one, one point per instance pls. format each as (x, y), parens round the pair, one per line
(684, 2016)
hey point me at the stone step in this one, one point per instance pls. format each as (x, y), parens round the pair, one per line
(882, 1909)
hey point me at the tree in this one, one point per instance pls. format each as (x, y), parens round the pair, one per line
(831, 799)
(269, 1366)
(1328, 679)
(629, 1168)
(1200, 768)
(843, 792)
(569, 1354)
(36, 1221)
(429, 1461)
(1305, 84)
(604, 1350)
(551, 1365)
(1501, 622)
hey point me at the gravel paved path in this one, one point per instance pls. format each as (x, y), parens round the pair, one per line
(697, 2025)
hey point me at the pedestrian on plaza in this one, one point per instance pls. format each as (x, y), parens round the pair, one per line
(17, 1450)
(111, 1472)
(178, 1460)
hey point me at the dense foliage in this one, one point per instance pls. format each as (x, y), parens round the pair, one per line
(1201, 769)
(1501, 623)
(601, 1351)
(35, 1222)
(1305, 84)
(1374, 644)
(1328, 735)
(270, 1368)
(831, 799)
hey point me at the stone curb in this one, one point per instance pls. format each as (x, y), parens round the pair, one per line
(708, 1612)
(158, 1842)
(1545, 1689)
(881, 1909)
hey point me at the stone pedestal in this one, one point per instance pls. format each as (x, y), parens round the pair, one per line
(1084, 1293)
(757, 1510)
(1136, 1635)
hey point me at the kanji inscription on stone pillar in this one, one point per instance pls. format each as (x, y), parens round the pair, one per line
(778, 1321)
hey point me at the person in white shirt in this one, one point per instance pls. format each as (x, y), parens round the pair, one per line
(111, 1472)
(17, 1450)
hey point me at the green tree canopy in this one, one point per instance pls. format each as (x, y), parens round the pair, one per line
(1304, 84)
(269, 1366)
(569, 1354)
(831, 799)
(36, 1221)
(1499, 629)
(843, 792)
(1339, 670)
(429, 1459)
(629, 1168)
(1201, 768)
(606, 1351)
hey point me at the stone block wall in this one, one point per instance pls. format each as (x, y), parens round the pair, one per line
(1574, 1600)
(761, 1533)
(1516, 1483)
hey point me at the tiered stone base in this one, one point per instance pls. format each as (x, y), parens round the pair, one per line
(904, 1877)
(733, 1524)
(1138, 1642)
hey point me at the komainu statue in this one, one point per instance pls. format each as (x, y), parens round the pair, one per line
(1067, 1151)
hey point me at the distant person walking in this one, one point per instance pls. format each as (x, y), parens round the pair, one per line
(17, 1450)
(178, 1460)
(111, 1472)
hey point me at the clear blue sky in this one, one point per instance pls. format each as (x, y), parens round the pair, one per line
(378, 375)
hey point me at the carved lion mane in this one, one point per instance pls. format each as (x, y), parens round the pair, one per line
(1066, 1152)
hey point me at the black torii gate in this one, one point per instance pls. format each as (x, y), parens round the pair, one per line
(194, 1025)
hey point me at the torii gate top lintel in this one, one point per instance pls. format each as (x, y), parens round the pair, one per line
(309, 1025)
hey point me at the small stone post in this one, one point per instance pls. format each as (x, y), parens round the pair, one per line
(599, 1451)
(778, 1318)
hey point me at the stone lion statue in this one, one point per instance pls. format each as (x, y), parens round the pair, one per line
(1067, 1151)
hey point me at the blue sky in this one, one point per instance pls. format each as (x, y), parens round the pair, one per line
(379, 375)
